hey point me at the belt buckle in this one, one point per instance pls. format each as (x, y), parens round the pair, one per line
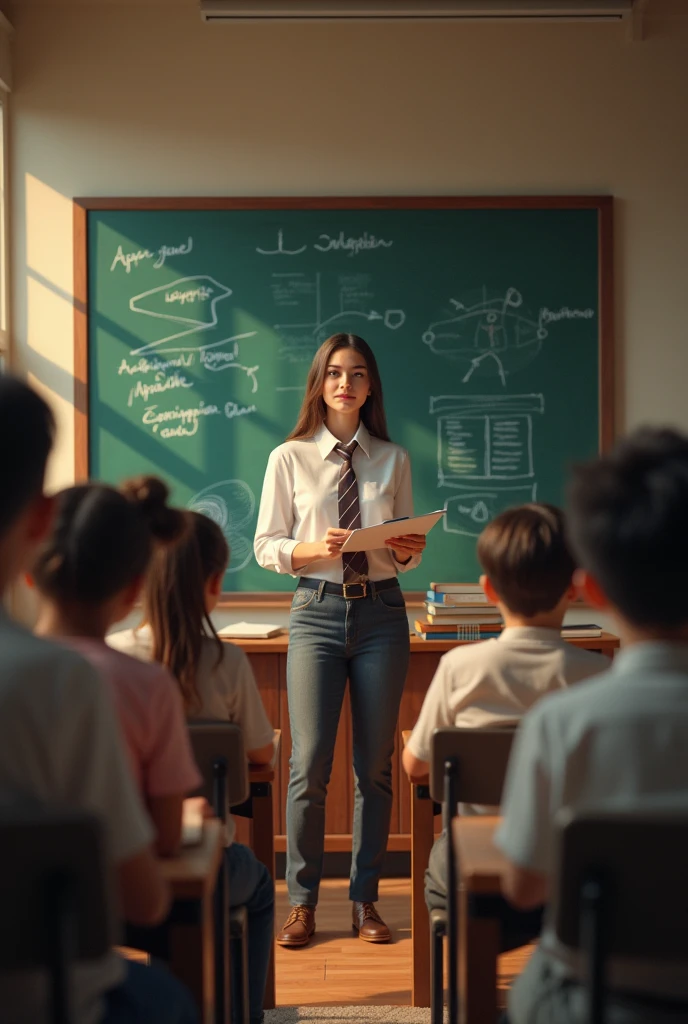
(351, 597)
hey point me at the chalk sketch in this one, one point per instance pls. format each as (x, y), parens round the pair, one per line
(489, 333)
(188, 300)
(469, 512)
(280, 250)
(218, 361)
(231, 504)
(301, 338)
(485, 452)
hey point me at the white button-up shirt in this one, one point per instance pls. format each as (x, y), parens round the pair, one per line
(299, 501)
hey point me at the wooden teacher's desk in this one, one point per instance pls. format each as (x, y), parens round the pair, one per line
(269, 662)
(412, 825)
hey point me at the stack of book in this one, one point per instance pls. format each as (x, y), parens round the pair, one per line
(458, 611)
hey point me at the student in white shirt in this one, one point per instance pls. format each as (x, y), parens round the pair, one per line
(182, 587)
(337, 471)
(621, 740)
(528, 574)
(59, 745)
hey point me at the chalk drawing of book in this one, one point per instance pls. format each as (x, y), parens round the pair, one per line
(485, 454)
(490, 333)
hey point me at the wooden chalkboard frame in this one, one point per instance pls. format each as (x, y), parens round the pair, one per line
(83, 206)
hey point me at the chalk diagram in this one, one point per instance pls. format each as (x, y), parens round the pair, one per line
(490, 333)
(485, 454)
(191, 301)
(231, 504)
(353, 298)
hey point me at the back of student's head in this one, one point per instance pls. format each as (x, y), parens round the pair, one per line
(27, 429)
(628, 514)
(175, 600)
(525, 554)
(103, 538)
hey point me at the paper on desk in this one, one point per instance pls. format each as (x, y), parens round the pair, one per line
(249, 631)
(372, 537)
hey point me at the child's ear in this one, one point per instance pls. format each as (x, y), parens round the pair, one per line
(131, 593)
(215, 584)
(590, 590)
(490, 592)
(40, 518)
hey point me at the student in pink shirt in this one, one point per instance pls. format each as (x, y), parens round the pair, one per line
(89, 574)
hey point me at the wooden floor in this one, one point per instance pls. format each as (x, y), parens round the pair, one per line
(337, 968)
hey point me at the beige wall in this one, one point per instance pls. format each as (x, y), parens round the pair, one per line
(131, 99)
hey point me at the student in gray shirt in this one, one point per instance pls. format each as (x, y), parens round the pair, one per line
(620, 740)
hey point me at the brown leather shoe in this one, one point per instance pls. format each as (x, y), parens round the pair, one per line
(368, 923)
(298, 928)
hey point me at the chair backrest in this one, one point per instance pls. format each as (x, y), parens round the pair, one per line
(220, 745)
(53, 876)
(481, 757)
(638, 861)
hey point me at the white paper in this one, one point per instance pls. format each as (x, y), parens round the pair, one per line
(372, 537)
(249, 630)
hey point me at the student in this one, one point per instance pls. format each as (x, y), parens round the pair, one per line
(89, 573)
(216, 682)
(59, 745)
(337, 471)
(622, 740)
(528, 574)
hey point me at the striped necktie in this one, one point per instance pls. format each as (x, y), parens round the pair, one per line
(355, 562)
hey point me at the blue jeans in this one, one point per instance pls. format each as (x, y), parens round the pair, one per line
(331, 639)
(149, 995)
(250, 886)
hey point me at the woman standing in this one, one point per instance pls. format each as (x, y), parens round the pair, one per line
(337, 471)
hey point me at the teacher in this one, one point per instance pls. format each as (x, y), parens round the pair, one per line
(338, 471)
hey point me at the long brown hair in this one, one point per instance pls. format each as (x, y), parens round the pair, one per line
(102, 539)
(313, 408)
(174, 602)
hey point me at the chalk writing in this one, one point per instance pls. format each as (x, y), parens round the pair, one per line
(191, 295)
(132, 259)
(155, 365)
(188, 419)
(548, 316)
(162, 383)
(352, 246)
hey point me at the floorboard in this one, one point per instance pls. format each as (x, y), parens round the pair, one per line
(337, 968)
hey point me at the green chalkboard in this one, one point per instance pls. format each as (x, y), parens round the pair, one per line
(197, 320)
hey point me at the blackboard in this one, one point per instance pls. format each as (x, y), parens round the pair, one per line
(196, 321)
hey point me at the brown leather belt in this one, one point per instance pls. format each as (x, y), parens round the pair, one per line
(366, 588)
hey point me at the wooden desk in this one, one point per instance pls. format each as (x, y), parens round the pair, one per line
(479, 871)
(422, 838)
(192, 877)
(269, 662)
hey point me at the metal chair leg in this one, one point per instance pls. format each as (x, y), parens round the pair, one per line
(438, 929)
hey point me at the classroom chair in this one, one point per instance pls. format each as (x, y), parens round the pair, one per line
(621, 890)
(467, 765)
(218, 749)
(53, 894)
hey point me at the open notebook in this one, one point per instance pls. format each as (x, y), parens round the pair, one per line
(249, 631)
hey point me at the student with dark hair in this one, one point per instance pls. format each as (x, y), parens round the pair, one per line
(622, 740)
(59, 745)
(338, 470)
(89, 573)
(528, 574)
(216, 682)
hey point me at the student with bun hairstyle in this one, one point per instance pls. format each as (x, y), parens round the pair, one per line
(216, 682)
(89, 573)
